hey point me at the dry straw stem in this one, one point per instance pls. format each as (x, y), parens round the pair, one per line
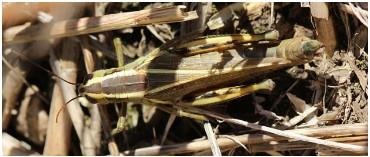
(14, 81)
(357, 140)
(299, 145)
(93, 109)
(349, 131)
(324, 26)
(347, 147)
(295, 120)
(12, 146)
(112, 145)
(65, 66)
(88, 56)
(203, 11)
(58, 134)
(350, 10)
(360, 14)
(212, 139)
(170, 121)
(99, 115)
(15, 13)
(88, 25)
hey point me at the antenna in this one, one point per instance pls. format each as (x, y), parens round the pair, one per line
(44, 69)
(64, 106)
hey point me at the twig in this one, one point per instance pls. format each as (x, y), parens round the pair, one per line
(99, 114)
(298, 104)
(14, 81)
(345, 21)
(277, 101)
(69, 72)
(271, 15)
(324, 109)
(170, 121)
(202, 10)
(231, 152)
(343, 146)
(358, 15)
(212, 139)
(112, 145)
(358, 140)
(155, 33)
(304, 110)
(207, 152)
(119, 52)
(236, 141)
(99, 24)
(18, 13)
(58, 134)
(299, 145)
(95, 126)
(325, 28)
(88, 56)
(348, 130)
(274, 153)
(12, 146)
(347, 8)
(93, 109)
(295, 120)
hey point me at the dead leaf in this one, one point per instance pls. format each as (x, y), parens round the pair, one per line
(299, 104)
(341, 73)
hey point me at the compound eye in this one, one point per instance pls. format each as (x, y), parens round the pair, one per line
(89, 76)
(81, 89)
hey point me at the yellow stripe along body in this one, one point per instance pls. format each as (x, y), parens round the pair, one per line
(168, 77)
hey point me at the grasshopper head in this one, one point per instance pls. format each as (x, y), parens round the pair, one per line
(92, 89)
(114, 85)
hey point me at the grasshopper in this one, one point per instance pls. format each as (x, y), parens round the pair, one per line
(195, 68)
(174, 78)
(184, 74)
